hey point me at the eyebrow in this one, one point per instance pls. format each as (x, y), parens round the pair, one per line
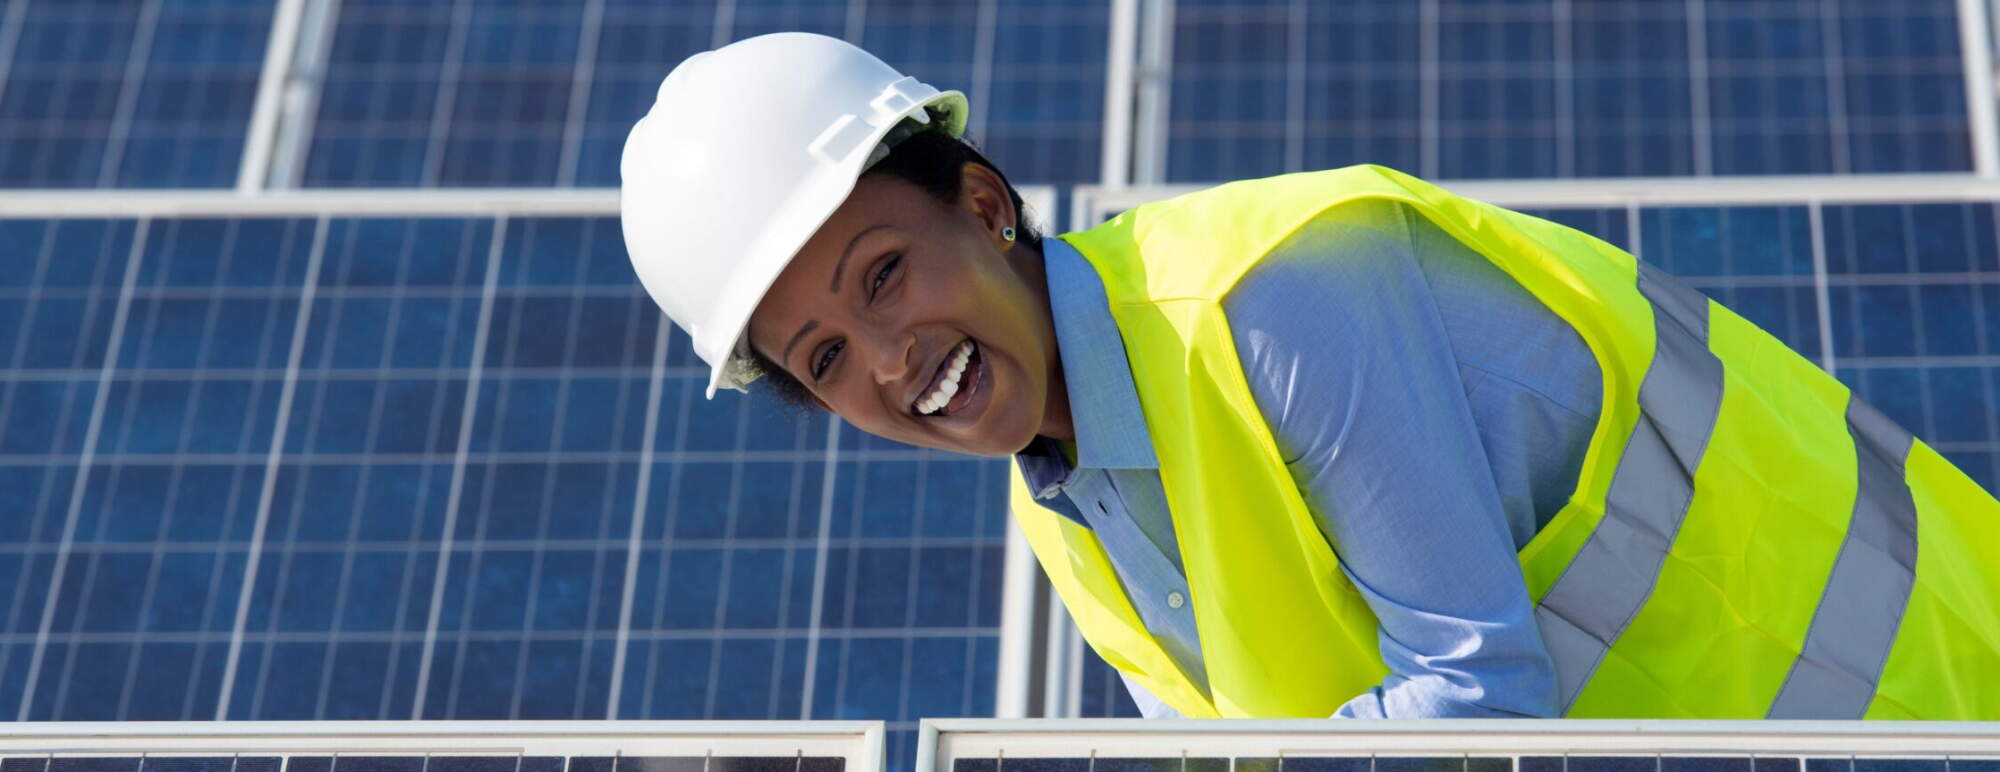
(833, 287)
(838, 267)
(787, 355)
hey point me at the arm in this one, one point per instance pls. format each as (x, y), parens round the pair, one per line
(1348, 358)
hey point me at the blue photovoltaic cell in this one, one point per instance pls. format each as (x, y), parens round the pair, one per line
(453, 93)
(485, 93)
(124, 93)
(1914, 292)
(1548, 89)
(1104, 693)
(447, 516)
(1632, 90)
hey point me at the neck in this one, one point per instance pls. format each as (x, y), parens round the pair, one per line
(1056, 421)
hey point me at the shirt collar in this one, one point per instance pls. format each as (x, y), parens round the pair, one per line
(1103, 401)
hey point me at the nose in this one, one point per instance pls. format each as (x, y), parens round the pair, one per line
(893, 352)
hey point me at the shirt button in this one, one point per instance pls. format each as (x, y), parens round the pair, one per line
(1175, 600)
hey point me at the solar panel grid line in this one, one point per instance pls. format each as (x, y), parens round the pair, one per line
(447, 94)
(731, 512)
(1830, 22)
(822, 553)
(1705, 155)
(663, 572)
(456, 492)
(1295, 73)
(793, 507)
(156, 459)
(1561, 21)
(86, 456)
(852, 578)
(610, 543)
(635, 534)
(591, 30)
(1430, 96)
(287, 393)
(980, 90)
(748, 634)
(128, 95)
(11, 21)
(725, 22)
(1929, 427)
(910, 591)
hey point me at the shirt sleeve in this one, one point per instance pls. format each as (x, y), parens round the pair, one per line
(1348, 358)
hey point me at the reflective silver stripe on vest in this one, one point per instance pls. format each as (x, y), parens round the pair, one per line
(1612, 575)
(1869, 588)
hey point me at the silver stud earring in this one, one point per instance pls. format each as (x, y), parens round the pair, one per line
(1007, 232)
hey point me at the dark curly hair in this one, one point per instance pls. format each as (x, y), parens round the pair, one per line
(931, 160)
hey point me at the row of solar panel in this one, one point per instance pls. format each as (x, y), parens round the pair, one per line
(368, 763)
(122, 93)
(466, 450)
(465, 442)
(442, 763)
(1661, 763)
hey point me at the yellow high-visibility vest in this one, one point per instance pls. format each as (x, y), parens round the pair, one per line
(1746, 539)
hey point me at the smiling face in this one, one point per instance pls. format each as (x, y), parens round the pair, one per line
(916, 321)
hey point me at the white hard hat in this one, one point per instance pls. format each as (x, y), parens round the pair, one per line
(745, 153)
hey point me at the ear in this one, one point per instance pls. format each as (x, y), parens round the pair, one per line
(984, 193)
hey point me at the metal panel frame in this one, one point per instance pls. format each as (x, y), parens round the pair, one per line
(254, 172)
(941, 741)
(859, 742)
(1115, 165)
(1976, 49)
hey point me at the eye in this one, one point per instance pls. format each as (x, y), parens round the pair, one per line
(826, 359)
(882, 275)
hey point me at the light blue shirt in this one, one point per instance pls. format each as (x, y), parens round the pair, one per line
(1433, 414)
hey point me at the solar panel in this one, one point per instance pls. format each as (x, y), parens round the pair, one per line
(430, 436)
(114, 93)
(1456, 89)
(483, 93)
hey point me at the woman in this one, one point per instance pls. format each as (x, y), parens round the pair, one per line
(1337, 443)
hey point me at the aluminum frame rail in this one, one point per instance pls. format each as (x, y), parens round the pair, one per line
(369, 202)
(942, 742)
(859, 743)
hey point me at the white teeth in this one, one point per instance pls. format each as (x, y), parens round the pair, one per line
(948, 386)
